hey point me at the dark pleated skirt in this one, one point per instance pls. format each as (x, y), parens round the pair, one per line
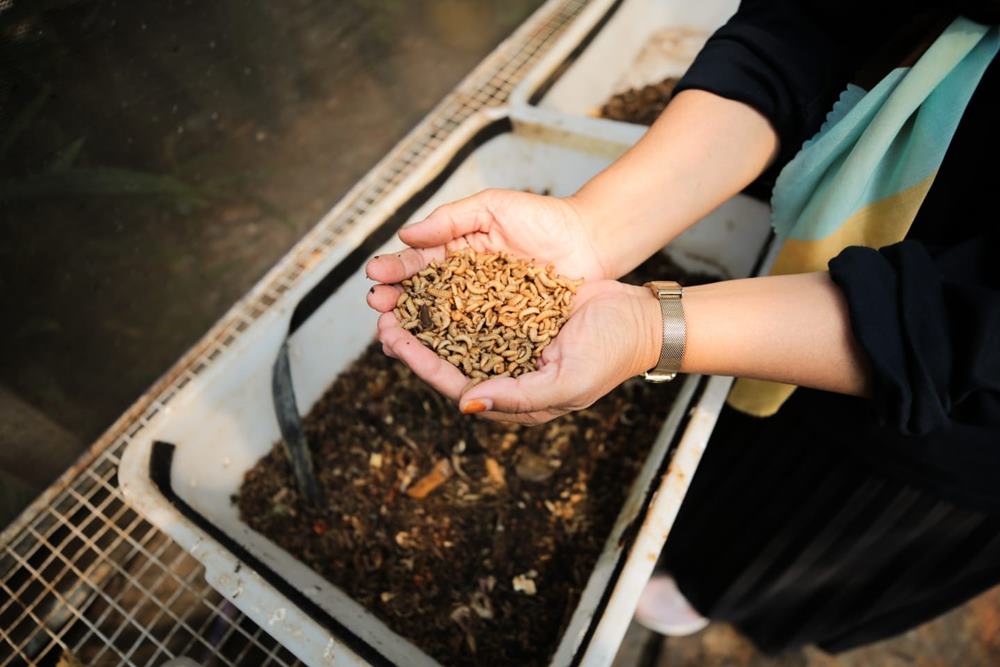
(796, 537)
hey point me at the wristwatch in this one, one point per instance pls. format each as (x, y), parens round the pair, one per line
(669, 295)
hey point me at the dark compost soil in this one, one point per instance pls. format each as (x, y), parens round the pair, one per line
(489, 565)
(640, 105)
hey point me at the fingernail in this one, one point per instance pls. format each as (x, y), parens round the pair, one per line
(477, 405)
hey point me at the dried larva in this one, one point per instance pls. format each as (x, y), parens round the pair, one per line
(488, 314)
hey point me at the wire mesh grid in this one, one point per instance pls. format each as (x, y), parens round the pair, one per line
(84, 580)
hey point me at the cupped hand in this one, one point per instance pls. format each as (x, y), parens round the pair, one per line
(546, 229)
(612, 334)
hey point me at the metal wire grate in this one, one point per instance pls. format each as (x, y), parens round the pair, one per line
(91, 579)
(84, 579)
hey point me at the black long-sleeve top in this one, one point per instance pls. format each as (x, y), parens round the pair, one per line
(926, 311)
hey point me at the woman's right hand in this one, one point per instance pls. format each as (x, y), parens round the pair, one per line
(546, 229)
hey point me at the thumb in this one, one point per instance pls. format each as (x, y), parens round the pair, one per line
(449, 222)
(531, 392)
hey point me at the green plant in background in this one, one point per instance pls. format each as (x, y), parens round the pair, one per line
(101, 181)
(61, 178)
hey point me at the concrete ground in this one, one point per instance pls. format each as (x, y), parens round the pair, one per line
(157, 157)
(966, 637)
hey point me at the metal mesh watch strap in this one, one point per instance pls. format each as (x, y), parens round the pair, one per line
(669, 294)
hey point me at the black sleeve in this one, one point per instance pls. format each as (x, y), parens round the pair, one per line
(929, 322)
(789, 60)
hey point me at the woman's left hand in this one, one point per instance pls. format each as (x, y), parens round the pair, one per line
(612, 334)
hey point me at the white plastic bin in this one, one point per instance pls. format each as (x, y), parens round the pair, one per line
(616, 45)
(223, 421)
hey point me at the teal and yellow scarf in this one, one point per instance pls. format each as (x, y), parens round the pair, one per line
(862, 178)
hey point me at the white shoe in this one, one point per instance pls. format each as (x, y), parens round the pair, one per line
(663, 609)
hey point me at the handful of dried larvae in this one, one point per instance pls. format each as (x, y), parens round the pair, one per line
(488, 314)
